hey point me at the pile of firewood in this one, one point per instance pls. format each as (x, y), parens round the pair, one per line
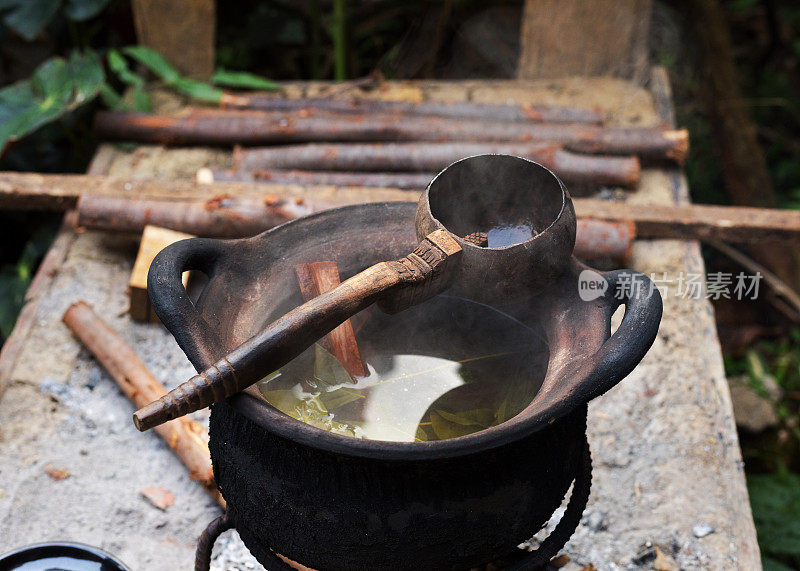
(375, 143)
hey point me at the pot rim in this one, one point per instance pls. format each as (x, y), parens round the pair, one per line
(598, 372)
(270, 418)
(281, 424)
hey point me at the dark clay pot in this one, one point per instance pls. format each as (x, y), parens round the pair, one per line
(337, 503)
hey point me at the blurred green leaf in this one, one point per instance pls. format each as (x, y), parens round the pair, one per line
(770, 564)
(57, 87)
(15, 278)
(141, 100)
(112, 99)
(80, 10)
(12, 296)
(118, 64)
(28, 17)
(737, 5)
(156, 63)
(197, 89)
(242, 80)
(153, 61)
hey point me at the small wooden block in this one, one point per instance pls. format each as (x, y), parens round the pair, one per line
(154, 239)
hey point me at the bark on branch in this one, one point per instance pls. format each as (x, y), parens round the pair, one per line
(228, 128)
(433, 157)
(456, 110)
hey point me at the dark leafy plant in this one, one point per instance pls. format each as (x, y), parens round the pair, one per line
(775, 499)
(57, 87)
(15, 278)
(141, 101)
(156, 63)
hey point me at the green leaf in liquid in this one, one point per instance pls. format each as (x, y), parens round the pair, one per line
(328, 369)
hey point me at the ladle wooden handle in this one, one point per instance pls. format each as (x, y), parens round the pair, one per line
(395, 285)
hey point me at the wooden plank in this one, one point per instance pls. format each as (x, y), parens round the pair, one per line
(154, 239)
(183, 31)
(44, 275)
(32, 191)
(744, 541)
(694, 221)
(584, 37)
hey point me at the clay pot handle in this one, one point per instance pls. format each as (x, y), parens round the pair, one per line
(168, 294)
(618, 355)
(625, 349)
(394, 285)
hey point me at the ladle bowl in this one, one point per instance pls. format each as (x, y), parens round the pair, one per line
(495, 192)
(338, 503)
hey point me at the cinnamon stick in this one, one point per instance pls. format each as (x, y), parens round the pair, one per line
(227, 128)
(433, 157)
(318, 278)
(187, 438)
(457, 110)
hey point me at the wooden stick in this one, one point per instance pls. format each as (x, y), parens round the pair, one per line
(246, 217)
(187, 438)
(457, 110)
(404, 181)
(318, 278)
(778, 285)
(433, 157)
(602, 240)
(227, 128)
(221, 216)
